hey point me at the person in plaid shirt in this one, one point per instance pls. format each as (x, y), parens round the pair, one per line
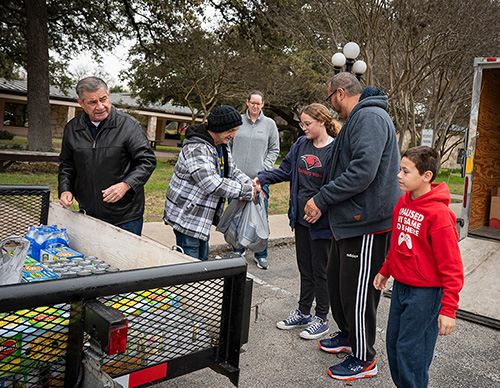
(204, 176)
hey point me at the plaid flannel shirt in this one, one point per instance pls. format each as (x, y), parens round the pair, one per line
(197, 187)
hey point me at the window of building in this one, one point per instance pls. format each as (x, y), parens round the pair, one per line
(15, 115)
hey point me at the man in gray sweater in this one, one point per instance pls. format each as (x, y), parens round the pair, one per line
(256, 147)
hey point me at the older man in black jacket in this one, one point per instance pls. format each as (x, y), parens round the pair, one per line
(105, 160)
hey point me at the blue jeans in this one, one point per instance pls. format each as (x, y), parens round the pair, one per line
(262, 254)
(134, 226)
(193, 247)
(412, 331)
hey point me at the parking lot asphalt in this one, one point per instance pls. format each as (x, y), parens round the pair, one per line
(276, 358)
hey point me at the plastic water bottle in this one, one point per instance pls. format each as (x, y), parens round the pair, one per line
(31, 236)
(64, 236)
(39, 240)
(56, 238)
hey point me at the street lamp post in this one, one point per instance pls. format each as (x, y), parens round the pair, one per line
(351, 51)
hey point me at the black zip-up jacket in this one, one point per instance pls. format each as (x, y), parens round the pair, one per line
(120, 153)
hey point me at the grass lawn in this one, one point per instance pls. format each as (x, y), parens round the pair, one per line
(46, 174)
(453, 179)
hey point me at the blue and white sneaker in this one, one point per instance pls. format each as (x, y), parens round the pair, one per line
(316, 329)
(352, 368)
(296, 319)
(337, 343)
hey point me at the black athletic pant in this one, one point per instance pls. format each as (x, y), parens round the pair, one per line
(312, 257)
(352, 266)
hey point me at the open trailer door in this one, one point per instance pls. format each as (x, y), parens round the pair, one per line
(480, 241)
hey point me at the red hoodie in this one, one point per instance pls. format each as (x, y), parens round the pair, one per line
(424, 248)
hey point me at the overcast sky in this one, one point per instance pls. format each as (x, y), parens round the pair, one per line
(113, 63)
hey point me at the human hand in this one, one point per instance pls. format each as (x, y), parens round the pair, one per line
(254, 193)
(446, 324)
(312, 212)
(313, 219)
(380, 282)
(258, 186)
(66, 199)
(114, 193)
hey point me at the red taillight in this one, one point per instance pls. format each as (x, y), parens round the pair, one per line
(466, 186)
(491, 60)
(118, 340)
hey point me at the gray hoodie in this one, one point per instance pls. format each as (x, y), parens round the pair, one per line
(363, 185)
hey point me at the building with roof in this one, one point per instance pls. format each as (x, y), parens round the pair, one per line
(64, 106)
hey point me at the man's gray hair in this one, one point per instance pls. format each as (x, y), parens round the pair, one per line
(90, 84)
(346, 81)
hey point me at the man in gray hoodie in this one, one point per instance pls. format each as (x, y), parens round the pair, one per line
(361, 194)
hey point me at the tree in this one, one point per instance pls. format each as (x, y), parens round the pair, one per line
(179, 59)
(70, 26)
(419, 52)
(38, 76)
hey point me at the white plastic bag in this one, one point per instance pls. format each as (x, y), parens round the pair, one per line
(228, 223)
(245, 224)
(13, 251)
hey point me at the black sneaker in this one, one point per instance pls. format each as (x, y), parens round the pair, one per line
(352, 368)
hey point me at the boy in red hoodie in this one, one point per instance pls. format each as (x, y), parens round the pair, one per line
(424, 260)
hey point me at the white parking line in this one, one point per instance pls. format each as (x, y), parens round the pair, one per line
(264, 284)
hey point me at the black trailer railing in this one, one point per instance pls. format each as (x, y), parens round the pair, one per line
(186, 316)
(180, 318)
(22, 206)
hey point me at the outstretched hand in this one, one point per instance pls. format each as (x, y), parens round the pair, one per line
(258, 187)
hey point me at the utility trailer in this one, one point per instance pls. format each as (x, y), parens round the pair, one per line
(163, 315)
(480, 244)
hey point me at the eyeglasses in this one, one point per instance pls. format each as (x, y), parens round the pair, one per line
(306, 124)
(328, 99)
(255, 103)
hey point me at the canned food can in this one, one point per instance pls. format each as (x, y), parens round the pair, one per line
(69, 274)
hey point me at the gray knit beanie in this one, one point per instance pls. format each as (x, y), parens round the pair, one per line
(223, 118)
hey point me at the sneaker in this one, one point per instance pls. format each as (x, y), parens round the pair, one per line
(261, 262)
(338, 342)
(296, 319)
(352, 368)
(316, 329)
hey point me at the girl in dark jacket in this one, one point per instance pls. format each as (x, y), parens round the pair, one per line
(305, 167)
